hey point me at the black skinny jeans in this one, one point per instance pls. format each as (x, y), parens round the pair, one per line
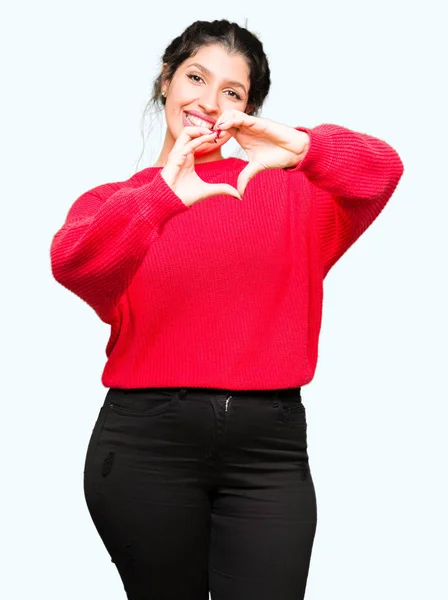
(196, 490)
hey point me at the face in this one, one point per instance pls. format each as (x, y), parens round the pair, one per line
(204, 86)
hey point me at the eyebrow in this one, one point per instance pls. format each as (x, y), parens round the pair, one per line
(207, 72)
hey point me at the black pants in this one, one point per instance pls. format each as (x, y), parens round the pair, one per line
(203, 490)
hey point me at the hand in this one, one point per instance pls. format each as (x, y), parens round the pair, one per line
(179, 171)
(269, 145)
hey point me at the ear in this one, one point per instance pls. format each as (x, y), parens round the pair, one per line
(163, 74)
(249, 109)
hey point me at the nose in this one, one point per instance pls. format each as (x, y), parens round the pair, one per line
(208, 101)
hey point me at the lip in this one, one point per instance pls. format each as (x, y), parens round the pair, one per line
(199, 115)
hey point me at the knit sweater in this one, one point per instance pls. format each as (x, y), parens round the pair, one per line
(224, 293)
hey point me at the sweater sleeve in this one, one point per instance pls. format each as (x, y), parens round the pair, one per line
(354, 175)
(105, 237)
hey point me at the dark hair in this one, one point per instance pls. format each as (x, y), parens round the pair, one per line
(235, 40)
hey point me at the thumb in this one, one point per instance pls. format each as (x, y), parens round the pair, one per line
(249, 171)
(222, 188)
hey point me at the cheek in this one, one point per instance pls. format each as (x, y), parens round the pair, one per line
(174, 122)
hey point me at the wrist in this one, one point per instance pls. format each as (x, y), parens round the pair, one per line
(300, 145)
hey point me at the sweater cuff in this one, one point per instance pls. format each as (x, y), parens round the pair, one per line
(157, 202)
(318, 158)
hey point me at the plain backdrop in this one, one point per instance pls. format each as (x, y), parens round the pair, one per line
(76, 77)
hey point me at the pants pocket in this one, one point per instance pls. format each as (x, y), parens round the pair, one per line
(141, 402)
(292, 413)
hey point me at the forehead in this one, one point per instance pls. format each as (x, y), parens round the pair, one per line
(220, 63)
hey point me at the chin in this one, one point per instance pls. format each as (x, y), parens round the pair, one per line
(207, 150)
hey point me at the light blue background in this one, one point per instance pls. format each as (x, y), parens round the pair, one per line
(76, 77)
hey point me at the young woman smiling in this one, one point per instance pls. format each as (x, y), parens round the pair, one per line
(197, 474)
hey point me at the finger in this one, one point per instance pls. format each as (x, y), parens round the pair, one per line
(198, 141)
(225, 116)
(226, 189)
(228, 116)
(191, 132)
(222, 188)
(246, 175)
(194, 131)
(237, 119)
(187, 136)
(224, 125)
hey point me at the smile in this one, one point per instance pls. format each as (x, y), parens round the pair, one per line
(197, 122)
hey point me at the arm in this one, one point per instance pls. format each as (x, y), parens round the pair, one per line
(105, 237)
(354, 175)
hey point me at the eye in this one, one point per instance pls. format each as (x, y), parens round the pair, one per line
(237, 96)
(192, 75)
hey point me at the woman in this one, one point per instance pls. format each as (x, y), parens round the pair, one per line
(197, 475)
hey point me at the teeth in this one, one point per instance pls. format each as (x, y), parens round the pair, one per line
(197, 122)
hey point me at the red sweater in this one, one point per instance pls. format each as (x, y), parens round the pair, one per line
(224, 293)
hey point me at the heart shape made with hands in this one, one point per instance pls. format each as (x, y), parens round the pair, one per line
(268, 144)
